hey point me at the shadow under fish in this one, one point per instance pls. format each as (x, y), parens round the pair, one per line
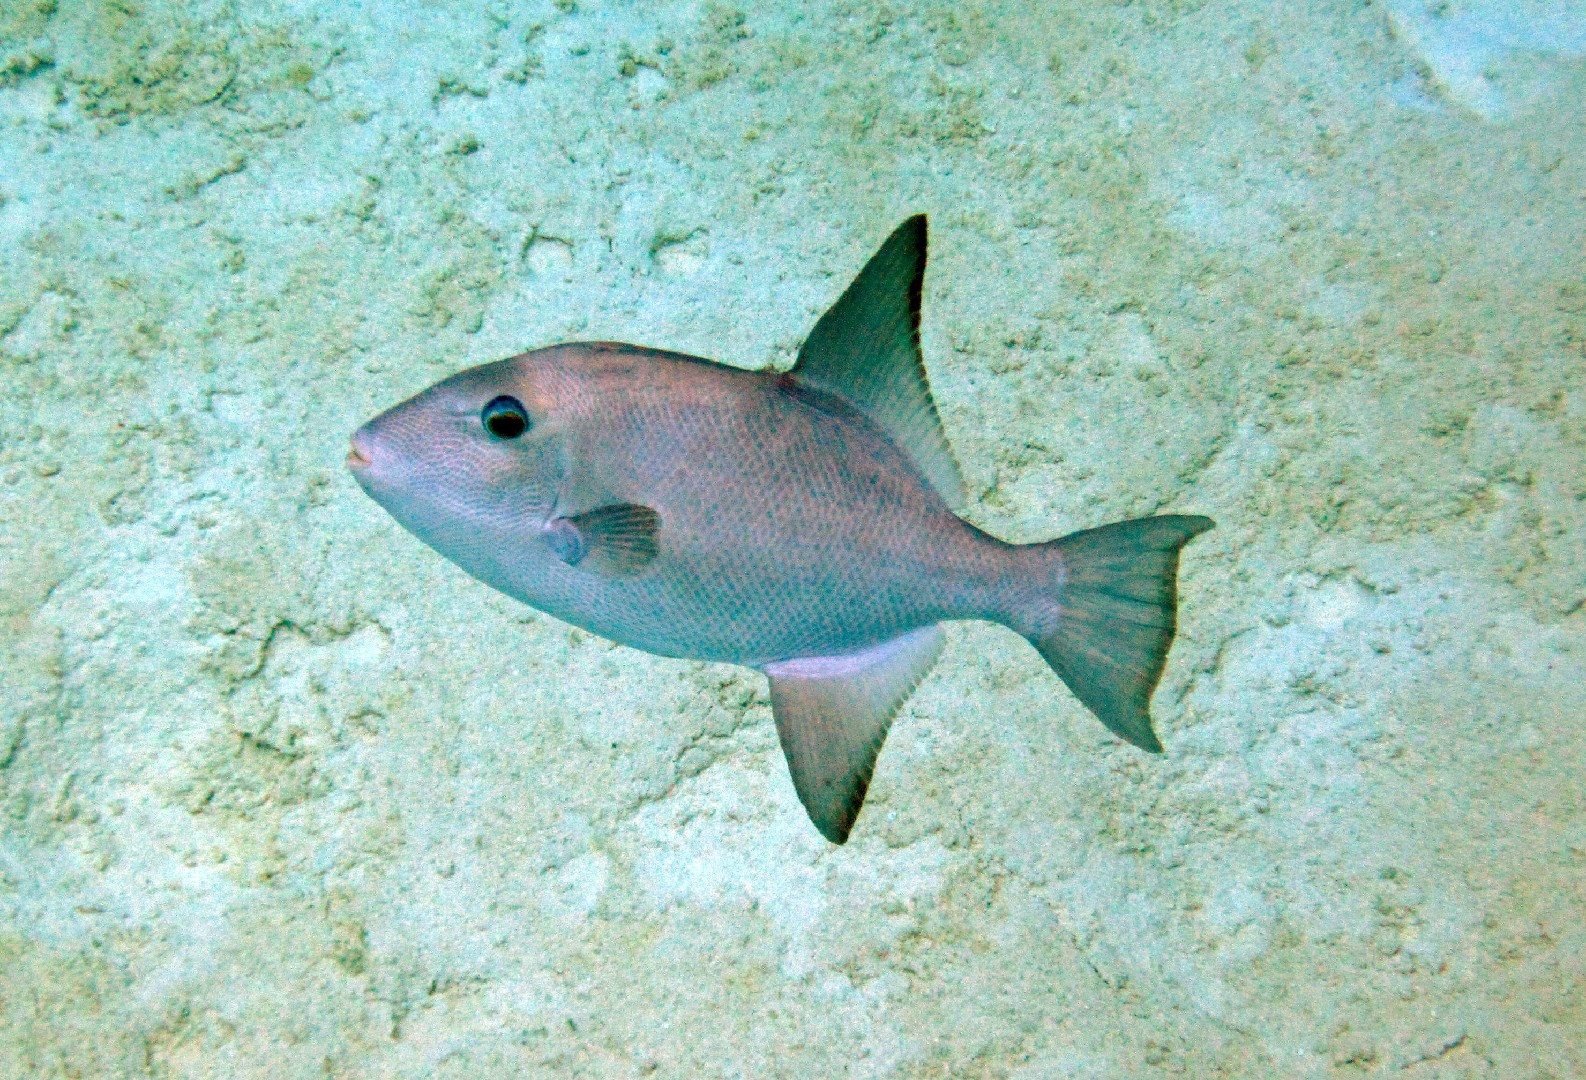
(805, 524)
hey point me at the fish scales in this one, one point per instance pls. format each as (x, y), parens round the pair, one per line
(761, 556)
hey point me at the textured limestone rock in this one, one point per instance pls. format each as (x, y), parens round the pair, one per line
(286, 795)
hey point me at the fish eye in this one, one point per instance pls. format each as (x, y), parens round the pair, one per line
(504, 417)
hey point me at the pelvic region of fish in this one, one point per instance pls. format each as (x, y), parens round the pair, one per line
(804, 524)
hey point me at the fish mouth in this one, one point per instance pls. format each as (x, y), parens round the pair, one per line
(359, 452)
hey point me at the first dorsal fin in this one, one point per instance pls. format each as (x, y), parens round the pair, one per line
(866, 350)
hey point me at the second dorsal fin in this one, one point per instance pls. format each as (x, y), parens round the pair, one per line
(866, 350)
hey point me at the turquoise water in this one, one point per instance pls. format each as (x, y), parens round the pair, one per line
(285, 794)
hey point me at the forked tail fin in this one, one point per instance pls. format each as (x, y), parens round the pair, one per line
(1107, 631)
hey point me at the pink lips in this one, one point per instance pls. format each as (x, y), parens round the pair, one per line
(357, 457)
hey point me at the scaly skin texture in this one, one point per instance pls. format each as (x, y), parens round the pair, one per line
(791, 526)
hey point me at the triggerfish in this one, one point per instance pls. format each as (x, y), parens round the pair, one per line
(803, 523)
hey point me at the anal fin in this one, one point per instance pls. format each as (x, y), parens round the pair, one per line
(832, 715)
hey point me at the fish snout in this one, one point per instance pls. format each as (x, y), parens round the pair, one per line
(360, 455)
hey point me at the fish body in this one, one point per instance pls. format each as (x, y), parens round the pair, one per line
(802, 523)
(791, 525)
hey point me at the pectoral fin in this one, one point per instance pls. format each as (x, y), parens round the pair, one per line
(614, 541)
(832, 714)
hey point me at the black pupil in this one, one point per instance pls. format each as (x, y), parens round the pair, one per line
(504, 418)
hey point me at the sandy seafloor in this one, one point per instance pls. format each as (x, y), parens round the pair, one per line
(285, 794)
